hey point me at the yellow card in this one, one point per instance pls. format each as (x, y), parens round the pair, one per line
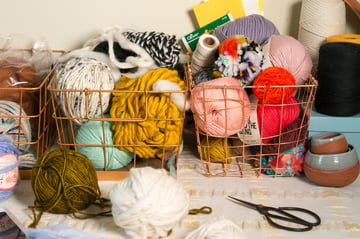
(211, 10)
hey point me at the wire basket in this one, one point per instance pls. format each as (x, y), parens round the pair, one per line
(238, 155)
(164, 146)
(32, 131)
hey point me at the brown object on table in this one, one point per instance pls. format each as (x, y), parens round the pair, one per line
(17, 81)
(329, 143)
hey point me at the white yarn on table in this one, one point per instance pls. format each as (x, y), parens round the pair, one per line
(149, 203)
(320, 19)
(217, 229)
(78, 74)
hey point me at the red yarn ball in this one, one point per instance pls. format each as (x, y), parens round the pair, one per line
(279, 84)
(273, 119)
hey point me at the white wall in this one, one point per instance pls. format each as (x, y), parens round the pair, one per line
(67, 24)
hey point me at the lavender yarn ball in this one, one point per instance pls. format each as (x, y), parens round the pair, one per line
(255, 27)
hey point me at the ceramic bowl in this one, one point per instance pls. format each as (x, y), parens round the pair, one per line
(328, 143)
(334, 170)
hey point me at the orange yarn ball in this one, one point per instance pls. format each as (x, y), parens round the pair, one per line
(274, 85)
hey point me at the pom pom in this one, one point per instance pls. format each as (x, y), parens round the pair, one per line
(240, 58)
(274, 85)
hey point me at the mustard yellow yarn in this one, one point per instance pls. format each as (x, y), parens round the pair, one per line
(150, 123)
(216, 150)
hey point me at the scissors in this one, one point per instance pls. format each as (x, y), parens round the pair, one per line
(281, 213)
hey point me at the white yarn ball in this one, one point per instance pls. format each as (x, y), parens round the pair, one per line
(218, 229)
(76, 75)
(148, 203)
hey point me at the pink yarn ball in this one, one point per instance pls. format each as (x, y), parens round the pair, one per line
(221, 107)
(273, 119)
(289, 53)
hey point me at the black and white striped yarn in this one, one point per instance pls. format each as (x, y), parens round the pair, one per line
(163, 48)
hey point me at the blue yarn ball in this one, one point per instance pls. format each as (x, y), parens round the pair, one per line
(91, 133)
(9, 158)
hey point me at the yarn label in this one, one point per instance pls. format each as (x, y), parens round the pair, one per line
(8, 179)
(250, 134)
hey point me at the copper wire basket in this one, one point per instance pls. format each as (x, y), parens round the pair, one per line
(45, 130)
(67, 131)
(251, 159)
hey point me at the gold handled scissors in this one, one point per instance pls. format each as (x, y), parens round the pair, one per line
(275, 215)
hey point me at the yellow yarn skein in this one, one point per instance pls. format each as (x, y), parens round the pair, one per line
(216, 150)
(150, 123)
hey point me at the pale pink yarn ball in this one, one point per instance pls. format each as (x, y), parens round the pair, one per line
(221, 107)
(287, 52)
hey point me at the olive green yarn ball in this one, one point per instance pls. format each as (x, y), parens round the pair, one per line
(64, 181)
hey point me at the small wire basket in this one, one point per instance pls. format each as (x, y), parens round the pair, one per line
(26, 112)
(239, 155)
(165, 152)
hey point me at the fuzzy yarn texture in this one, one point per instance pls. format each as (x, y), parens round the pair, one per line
(274, 85)
(254, 26)
(216, 150)
(289, 53)
(218, 228)
(240, 58)
(64, 182)
(94, 138)
(151, 122)
(221, 107)
(148, 203)
(82, 85)
(273, 119)
(9, 167)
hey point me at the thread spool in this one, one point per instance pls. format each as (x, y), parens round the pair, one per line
(204, 54)
(216, 150)
(320, 19)
(69, 191)
(273, 119)
(240, 58)
(274, 85)
(76, 79)
(9, 168)
(254, 26)
(216, 229)
(221, 107)
(152, 122)
(289, 53)
(338, 91)
(91, 142)
(148, 203)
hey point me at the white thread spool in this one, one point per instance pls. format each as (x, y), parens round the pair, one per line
(217, 229)
(204, 54)
(77, 75)
(320, 19)
(148, 203)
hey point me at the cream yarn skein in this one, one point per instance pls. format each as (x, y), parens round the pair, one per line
(76, 75)
(148, 203)
(217, 229)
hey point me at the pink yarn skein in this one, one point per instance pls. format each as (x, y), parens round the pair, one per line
(221, 107)
(287, 52)
(273, 119)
